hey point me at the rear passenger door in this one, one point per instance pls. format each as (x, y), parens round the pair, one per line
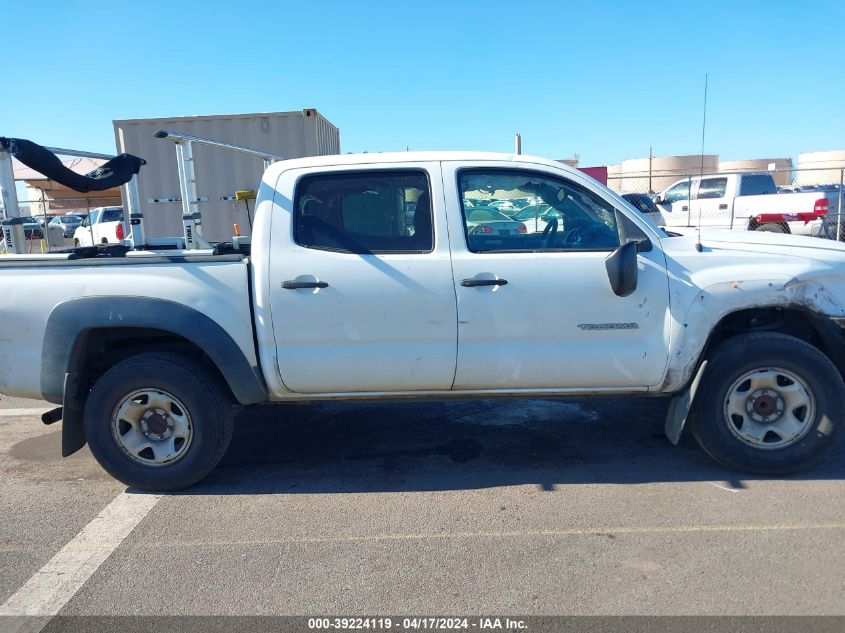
(361, 280)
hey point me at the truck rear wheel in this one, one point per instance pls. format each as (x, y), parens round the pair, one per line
(771, 228)
(158, 421)
(768, 404)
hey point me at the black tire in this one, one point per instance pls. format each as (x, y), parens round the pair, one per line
(207, 403)
(771, 228)
(747, 352)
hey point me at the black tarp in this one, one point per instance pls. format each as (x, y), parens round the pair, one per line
(118, 171)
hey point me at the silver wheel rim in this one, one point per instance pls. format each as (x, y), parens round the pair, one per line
(152, 427)
(769, 408)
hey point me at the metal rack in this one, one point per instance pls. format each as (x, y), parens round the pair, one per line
(13, 231)
(191, 215)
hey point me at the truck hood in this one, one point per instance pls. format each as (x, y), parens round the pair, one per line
(748, 269)
(757, 241)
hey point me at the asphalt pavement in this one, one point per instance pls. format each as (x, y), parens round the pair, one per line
(474, 507)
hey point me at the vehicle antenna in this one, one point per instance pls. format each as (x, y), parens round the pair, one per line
(701, 171)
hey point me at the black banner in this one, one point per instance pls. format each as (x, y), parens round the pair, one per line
(118, 171)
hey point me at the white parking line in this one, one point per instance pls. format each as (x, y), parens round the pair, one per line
(16, 413)
(721, 487)
(51, 587)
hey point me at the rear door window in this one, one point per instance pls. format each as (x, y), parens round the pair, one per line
(712, 188)
(365, 212)
(756, 184)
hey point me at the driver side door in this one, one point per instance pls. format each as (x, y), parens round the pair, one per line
(538, 312)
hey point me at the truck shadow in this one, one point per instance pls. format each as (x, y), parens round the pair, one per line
(463, 444)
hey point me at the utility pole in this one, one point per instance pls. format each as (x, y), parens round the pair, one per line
(650, 157)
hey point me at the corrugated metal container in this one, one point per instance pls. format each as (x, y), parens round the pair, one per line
(219, 172)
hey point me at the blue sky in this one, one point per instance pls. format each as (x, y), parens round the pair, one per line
(601, 79)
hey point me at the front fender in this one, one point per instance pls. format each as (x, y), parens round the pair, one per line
(714, 302)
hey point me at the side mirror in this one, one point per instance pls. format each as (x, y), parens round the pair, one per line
(621, 267)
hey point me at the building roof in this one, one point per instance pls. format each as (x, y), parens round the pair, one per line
(213, 117)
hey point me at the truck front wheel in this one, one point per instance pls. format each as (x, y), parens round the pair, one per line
(768, 404)
(158, 421)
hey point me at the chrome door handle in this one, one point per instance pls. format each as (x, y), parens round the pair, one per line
(472, 283)
(297, 285)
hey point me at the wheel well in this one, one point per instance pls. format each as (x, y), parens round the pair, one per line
(100, 349)
(792, 321)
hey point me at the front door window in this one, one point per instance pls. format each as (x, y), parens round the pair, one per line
(561, 215)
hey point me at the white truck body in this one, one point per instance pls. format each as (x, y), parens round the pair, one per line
(103, 225)
(742, 202)
(445, 321)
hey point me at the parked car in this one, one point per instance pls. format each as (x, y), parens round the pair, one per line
(535, 217)
(505, 206)
(827, 187)
(148, 354)
(44, 220)
(491, 221)
(103, 225)
(642, 202)
(32, 229)
(68, 223)
(742, 202)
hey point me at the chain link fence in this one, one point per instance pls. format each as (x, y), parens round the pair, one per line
(798, 201)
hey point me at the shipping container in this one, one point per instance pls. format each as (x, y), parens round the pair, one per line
(219, 172)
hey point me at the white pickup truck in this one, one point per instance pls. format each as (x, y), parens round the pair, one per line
(102, 225)
(362, 281)
(742, 202)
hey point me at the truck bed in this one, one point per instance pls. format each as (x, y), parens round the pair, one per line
(32, 286)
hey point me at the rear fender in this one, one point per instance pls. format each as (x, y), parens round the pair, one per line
(63, 371)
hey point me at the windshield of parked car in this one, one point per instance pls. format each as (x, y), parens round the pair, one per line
(641, 202)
